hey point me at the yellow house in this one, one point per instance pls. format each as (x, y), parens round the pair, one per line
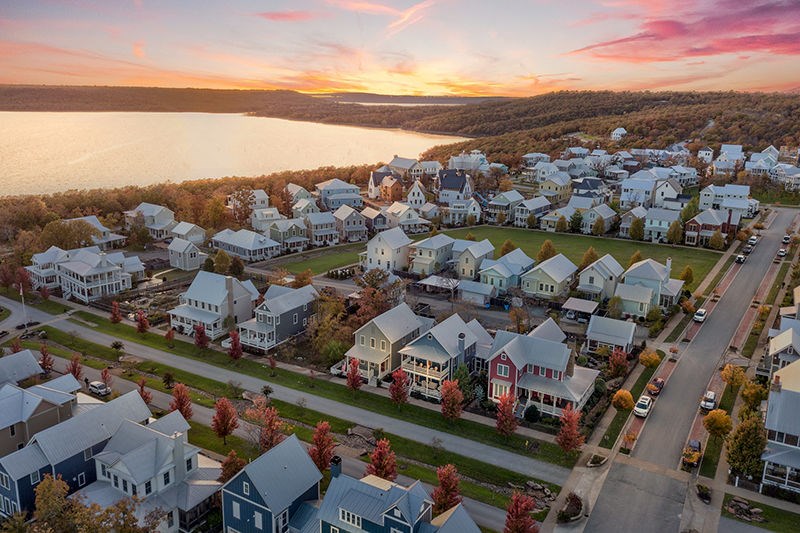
(557, 187)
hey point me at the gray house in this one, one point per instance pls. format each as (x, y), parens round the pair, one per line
(284, 313)
(604, 332)
(782, 455)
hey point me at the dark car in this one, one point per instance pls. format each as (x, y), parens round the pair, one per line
(747, 250)
(3, 334)
(21, 326)
(655, 386)
(33, 323)
(740, 258)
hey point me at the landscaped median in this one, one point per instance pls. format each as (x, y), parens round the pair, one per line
(708, 465)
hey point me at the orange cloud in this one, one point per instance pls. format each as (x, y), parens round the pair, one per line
(287, 16)
(403, 18)
(138, 49)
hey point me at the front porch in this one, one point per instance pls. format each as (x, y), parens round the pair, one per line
(426, 377)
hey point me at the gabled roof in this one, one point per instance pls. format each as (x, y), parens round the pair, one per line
(288, 300)
(397, 322)
(609, 330)
(604, 211)
(285, 224)
(16, 405)
(783, 340)
(149, 210)
(324, 217)
(637, 212)
(514, 263)
(183, 228)
(548, 330)
(18, 366)
(180, 245)
(634, 293)
(524, 350)
(372, 213)
(244, 238)
(581, 202)
(439, 240)
(455, 520)
(402, 162)
(293, 189)
(334, 184)
(481, 248)
(560, 179)
(394, 238)
(607, 266)
(303, 203)
(211, 287)
(440, 343)
(648, 269)
(537, 202)
(452, 180)
(507, 197)
(476, 287)
(558, 268)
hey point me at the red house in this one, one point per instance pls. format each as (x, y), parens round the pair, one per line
(699, 229)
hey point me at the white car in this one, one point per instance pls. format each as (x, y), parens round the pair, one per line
(99, 388)
(786, 239)
(782, 252)
(709, 401)
(642, 407)
(700, 315)
(752, 240)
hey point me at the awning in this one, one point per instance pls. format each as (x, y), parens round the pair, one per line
(439, 282)
(580, 305)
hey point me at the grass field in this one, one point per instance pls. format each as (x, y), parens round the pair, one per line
(776, 519)
(336, 257)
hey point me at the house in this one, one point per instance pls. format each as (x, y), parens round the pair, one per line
(245, 244)
(655, 278)
(598, 281)
(666, 189)
(188, 232)
(556, 187)
(297, 193)
(542, 170)
(156, 464)
(699, 229)
(391, 189)
(575, 152)
(529, 160)
(537, 371)
(731, 152)
(105, 238)
(375, 180)
(781, 454)
(602, 212)
(156, 218)
(350, 224)
(335, 193)
(259, 199)
(502, 206)
(609, 333)
(435, 355)
(470, 260)
(431, 255)
(416, 196)
(430, 168)
(627, 219)
(728, 196)
(657, 223)
(722, 167)
(270, 493)
(473, 162)
(67, 450)
(475, 292)
(377, 344)
(261, 219)
(594, 187)
(289, 233)
(42, 269)
(636, 192)
(215, 302)
(304, 207)
(458, 213)
(549, 222)
(284, 313)
(549, 279)
(404, 216)
(618, 134)
(678, 203)
(406, 168)
(537, 207)
(686, 176)
(706, 155)
(783, 349)
(429, 211)
(321, 229)
(374, 220)
(453, 185)
(18, 367)
(505, 272)
(185, 255)
(388, 250)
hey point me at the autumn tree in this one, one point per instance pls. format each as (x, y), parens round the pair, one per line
(46, 360)
(675, 232)
(561, 224)
(507, 247)
(716, 241)
(617, 363)
(569, 436)
(506, 423)
(201, 340)
(687, 275)
(116, 314)
(589, 257)
(635, 258)
(753, 393)
(146, 395)
(270, 428)
(169, 336)
(718, 423)
(649, 359)
(546, 251)
(75, 367)
(225, 420)
(636, 231)
(745, 446)
(231, 465)
(235, 351)
(68, 234)
(452, 400)
(16, 345)
(447, 494)
(622, 400)
(241, 203)
(599, 227)
(501, 219)
(237, 267)
(519, 319)
(576, 222)
(106, 377)
(44, 292)
(470, 220)
(398, 389)
(519, 518)
(322, 445)
(181, 401)
(222, 262)
(353, 375)
(690, 210)
(142, 324)
(733, 375)
(470, 236)
(53, 511)
(531, 221)
(382, 461)
(303, 278)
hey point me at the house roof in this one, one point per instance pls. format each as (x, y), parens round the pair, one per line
(558, 267)
(440, 343)
(611, 331)
(784, 404)
(648, 269)
(244, 238)
(581, 202)
(371, 213)
(580, 305)
(524, 350)
(604, 211)
(548, 330)
(285, 224)
(455, 520)
(397, 322)
(18, 366)
(452, 180)
(608, 266)
(149, 210)
(304, 203)
(784, 340)
(402, 162)
(637, 212)
(66, 383)
(634, 293)
(183, 228)
(560, 179)
(481, 248)
(572, 387)
(660, 214)
(211, 287)
(514, 263)
(476, 287)
(180, 245)
(288, 300)
(394, 238)
(16, 404)
(537, 202)
(24, 461)
(507, 197)
(484, 340)
(439, 240)
(334, 184)
(344, 211)
(324, 217)
(293, 189)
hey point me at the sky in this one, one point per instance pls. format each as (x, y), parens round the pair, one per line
(428, 47)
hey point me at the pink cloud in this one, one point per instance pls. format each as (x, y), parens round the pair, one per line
(403, 18)
(138, 49)
(287, 16)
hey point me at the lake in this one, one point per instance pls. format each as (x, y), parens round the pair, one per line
(49, 152)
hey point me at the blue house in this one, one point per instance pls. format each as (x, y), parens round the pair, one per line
(265, 496)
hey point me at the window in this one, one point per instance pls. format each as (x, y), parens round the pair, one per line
(34, 477)
(170, 519)
(13, 429)
(133, 489)
(294, 318)
(499, 389)
(235, 509)
(383, 345)
(116, 481)
(4, 481)
(87, 454)
(349, 518)
(258, 520)
(502, 371)
(591, 280)
(372, 342)
(166, 478)
(148, 487)
(125, 486)
(81, 479)
(246, 488)
(188, 464)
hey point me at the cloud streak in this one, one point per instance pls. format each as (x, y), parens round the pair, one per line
(287, 16)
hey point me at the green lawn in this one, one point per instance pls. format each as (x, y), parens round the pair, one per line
(4, 313)
(708, 465)
(336, 257)
(34, 300)
(776, 519)
(776, 196)
(776, 285)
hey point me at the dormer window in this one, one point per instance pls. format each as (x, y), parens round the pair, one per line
(349, 518)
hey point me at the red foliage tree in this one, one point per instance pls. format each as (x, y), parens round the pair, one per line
(398, 390)
(618, 363)
(569, 436)
(235, 351)
(181, 401)
(273, 364)
(106, 377)
(447, 494)
(231, 465)
(169, 336)
(270, 425)
(201, 340)
(506, 421)
(353, 375)
(518, 515)
(46, 360)
(44, 292)
(142, 324)
(116, 314)
(147, 397)
(382, 461)
(322, 445)
(16, 345)
(225, 420)
(75, 367)
(23, 279)
(452, 398)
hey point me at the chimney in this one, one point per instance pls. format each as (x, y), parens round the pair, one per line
(570, 371)
(669, 267)
(461, 338)
(229, 289)
(336, 466)
(177, 456)
(776, 384)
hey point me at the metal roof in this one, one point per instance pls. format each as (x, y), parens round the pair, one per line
(609, 330)
(18, 366)
(558, 268)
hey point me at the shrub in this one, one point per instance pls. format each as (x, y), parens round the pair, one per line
(532, 414)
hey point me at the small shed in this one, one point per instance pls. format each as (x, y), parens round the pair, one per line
(476, 293)
(438, 284)
(579, 309)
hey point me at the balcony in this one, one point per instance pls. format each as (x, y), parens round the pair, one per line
(424, 370)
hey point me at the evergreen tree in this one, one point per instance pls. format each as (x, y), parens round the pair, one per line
(576, 222)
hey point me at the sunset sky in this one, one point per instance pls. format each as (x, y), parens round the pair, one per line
(454, 47)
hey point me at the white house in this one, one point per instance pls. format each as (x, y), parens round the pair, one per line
(297, 193)
(334, 193)
(706, 155)
(262, 219)
(185, 255)
(189, 232)
(245, 244)
(416, 195)
(636, 192)
(728, 196)
(303, 207)
(453, 186)
(648, 284)
(406, 167)
(537, 206)
(431, 255)
(156, 218)
(471, 259)
(549, 279)
(618, 134)
(388, 250)
(604, 332)
(599, 280)
(475, 161)
(666, 189)
(657, 223)
(503, 204)
(406, 217)
(591, 216)
(459, 211)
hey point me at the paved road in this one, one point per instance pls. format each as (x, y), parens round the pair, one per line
(668, 425)
(489, 454)
(728, 525)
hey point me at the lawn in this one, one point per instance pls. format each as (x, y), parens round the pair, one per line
(4, 313)
(336, 257)
(708, 465)
(776, 196)
(48, 306)
(776, 519)
(720, 273)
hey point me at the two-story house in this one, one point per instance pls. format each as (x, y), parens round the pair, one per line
(557, 187)
(297, 193)
(637, 191)
(699, 229)
(626, 221)
(549, 279)
(335, 193)
(505, 272)
(374, 220)
(290, 233)
(377, 343)
(542, 170)
(188, 232)
(304, 207)
(471, 259)
(458, 213)
(647, 284)
(375, 180)
(664, 190)
(537, 206)
(391, 189)
(781, 468)
(261, 219)
(657, 223)
(409, 169)
(503, 204)
(245, 244)
(406, 217)
(284, 313)
(185, 255)
(88, 274)
(453, 185)
(388, 250)
(599, 212)
(609, 333)
(18, 367)
(350, 224)
(259, 199)
(729, 197)
(416, 196)
(598, 281)
(431, 255)
(105, 238)
(216, 302)
(321, 229)
(156, 218)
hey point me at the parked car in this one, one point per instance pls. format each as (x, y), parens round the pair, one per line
(655, 386)
(709, 401)
(752, 240)
(782, 252)
(740, 258)
(747, 249)
(700, 315)
(786, 239)
(642, 407)
(692, 453)
(20, 326)
(3, 334)
(99, 388)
